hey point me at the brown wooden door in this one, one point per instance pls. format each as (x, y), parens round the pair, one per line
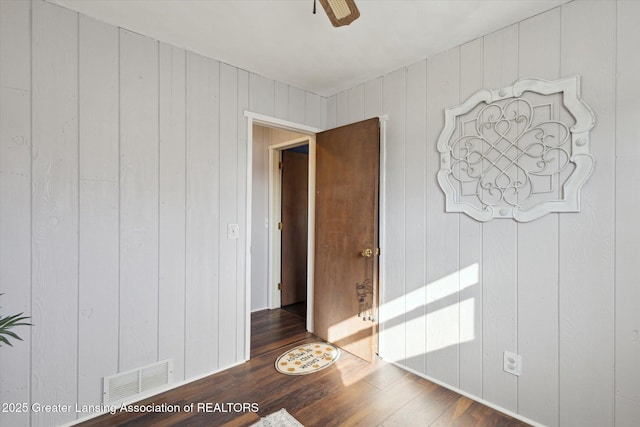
(346, 224)
(295, 178)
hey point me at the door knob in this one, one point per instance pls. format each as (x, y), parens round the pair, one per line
(367, 253)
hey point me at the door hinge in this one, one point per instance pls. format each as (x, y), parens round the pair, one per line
(280, 226)
(279, 286)
(280, 165)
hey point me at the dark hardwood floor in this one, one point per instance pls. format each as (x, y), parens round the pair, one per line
(299, 308)
(274, 329)
(350, 392)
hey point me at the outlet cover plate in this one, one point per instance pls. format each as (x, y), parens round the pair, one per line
(512, 363)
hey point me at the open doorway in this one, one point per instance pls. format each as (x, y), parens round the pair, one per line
(294, 159)
(353, 140)
(269, 143)
(294, 226)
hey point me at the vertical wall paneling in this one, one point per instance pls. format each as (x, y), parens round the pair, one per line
(138, 200)
(259, 218)
(297, 105)
(171, 273)
(537, 268)
(15, 33)
(99, 201)
(392, 318)
(587, 276)
(373, 98)
(281, 101)
(15, 197)
(314, 109)
(627, 381)
(322, 117)
(262, 95)
(499, 283)
(277, 136)
(416, 150)
(228, 214)
(203, 215)
(342, 108)
(55, 210)
(117, 183)
(356, 104)
(442, 253)
(470, 248)
(115, 194)
(242, 308)
(332, 112)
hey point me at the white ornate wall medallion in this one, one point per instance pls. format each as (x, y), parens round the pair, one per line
(519, 152)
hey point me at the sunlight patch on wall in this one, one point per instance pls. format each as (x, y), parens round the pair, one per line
(439, 309)
(440, 313)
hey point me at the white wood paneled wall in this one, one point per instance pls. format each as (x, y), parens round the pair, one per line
(122, 160)
(54, 210)
(259, 219)
(561, 291)
(172, 201)
(99, 204)
(538, 260)
(627, 231)
(139, 157)
(15, 197)
(587, 242)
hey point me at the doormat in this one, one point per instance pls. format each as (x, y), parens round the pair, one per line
(278, 419)
(307, 358)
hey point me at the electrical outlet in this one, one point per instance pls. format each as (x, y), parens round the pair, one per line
(512, 363)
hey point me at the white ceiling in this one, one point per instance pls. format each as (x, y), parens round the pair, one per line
(283, 40)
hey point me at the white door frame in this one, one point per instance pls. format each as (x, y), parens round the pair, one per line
(255, 118)
(275, 215)
(272, 122)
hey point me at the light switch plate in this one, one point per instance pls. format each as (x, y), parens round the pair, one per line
(233, 231)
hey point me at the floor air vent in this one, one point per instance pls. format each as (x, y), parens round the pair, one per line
(125, 385)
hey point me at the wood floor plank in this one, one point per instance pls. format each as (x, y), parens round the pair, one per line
(349, 392)
(466, 412)
(387, 401)
(427, 406)
(385, 375)
(272, 329)
(337, 408)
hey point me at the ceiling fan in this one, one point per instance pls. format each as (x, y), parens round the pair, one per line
(340, 12)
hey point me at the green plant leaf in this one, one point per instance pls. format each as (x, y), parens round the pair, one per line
(12, 334)
(6, 323)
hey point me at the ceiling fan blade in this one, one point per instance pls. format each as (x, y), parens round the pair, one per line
(340, 12)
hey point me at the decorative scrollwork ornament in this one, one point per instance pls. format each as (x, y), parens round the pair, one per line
(518, 152)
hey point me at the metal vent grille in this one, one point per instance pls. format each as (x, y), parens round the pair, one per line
(125, 385)
(154, 376)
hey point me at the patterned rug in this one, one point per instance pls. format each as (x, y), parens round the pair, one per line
(307, 358)
(278, 419)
